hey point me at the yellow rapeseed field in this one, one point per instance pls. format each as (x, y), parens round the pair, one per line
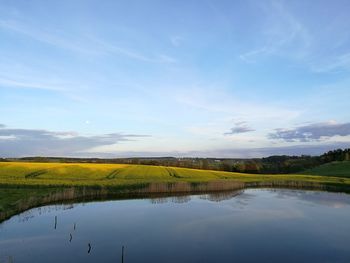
(88, 174)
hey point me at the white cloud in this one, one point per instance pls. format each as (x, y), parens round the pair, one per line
(31, 142)
(312, 132)
(240, 127)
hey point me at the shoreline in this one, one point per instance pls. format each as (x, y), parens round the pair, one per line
(61, 195)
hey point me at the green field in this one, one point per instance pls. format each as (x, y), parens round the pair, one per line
(25, 184)
(340, 169)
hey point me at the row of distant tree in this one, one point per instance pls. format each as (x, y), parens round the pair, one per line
(288, 164)
(336, 155)
(272, 164)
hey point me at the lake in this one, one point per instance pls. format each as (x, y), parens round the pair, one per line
(253, 225)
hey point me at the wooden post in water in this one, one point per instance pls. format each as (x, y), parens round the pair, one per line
(122, 254)
(75, 224)
(71, 237)
(89, 245)
(55, 222)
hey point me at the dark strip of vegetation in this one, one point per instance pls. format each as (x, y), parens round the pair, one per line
(113, 174)
(35, 174)
(173, 173)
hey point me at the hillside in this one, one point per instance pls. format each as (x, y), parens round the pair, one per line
(339, 169)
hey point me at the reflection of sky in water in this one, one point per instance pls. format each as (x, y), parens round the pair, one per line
(246, 226)
(338, 200)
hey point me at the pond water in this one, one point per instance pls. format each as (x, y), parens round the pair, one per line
(254, 225)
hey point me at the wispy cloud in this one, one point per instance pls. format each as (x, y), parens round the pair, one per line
(282, 34)
(333, 64)
(240, 127)
(115, 49)
(287, 35)
(312, 132)
(251, 56)
(18, 83)
(217, 100)
(176, 40)
(238, 152)
(81, 44)
(45, 36)
(268, 151)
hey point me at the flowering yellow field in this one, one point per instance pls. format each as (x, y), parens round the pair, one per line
(88, 174)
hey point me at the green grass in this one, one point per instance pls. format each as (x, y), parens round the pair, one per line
(9, 196)
(23, 181)
(338, 169)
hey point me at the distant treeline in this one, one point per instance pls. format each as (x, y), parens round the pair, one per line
(267, 165)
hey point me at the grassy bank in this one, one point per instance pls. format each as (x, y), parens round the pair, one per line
(26, 185)
(339, 169)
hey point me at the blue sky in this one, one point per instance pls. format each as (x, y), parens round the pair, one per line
(182, 78)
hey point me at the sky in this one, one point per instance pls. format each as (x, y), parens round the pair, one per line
(90, 78)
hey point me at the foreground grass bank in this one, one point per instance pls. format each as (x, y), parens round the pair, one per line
(25, 185)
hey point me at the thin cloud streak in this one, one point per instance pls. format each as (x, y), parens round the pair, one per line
(285, 35)
(114, 49)
(86, 45)
(336, 64)
(279, 34)
(48, 38)
(230, 152)
(6, 82)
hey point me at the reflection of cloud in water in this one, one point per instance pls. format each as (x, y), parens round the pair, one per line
(6, 258)
(241, 219)
(173, 199)
(27, 215)
(214, 197)
(244, 197)
(181, 199)
(221, 196)
(159, 200)
(45, 238)
(335, 200)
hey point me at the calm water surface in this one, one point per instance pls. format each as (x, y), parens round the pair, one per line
(247, 226)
